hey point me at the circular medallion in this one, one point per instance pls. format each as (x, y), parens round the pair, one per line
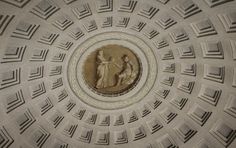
(112, 70)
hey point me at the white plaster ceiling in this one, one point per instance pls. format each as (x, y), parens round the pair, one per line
(188, 99)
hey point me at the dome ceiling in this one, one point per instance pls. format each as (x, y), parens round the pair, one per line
(117, 73)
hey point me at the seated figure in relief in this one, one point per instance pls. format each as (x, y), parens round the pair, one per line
(127, 74)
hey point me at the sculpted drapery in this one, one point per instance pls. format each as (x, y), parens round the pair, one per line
(102, 70)
(126, 75)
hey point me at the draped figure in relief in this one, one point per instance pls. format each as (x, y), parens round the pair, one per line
(102, 70)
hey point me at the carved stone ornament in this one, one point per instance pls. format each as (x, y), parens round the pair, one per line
(112, 70)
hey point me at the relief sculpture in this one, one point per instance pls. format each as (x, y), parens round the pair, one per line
(102, 70)
(114, 70)
(127, 75)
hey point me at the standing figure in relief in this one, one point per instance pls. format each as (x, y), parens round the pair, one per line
(102, 70)
(127, 75)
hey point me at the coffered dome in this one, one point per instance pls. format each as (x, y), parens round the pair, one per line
(117, 73)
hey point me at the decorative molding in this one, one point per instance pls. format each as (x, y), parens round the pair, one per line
(167, 55)
(59, 57)
(148, 11)
(104, 5)
(4, 22)
(127, 6)
(230, 106)
(70, 129)
(199, 114)
(85, 135)
(186, 86)
(104, 120)
(132, 116)
(179, 102)
(214, 73)
(167, 80)
(161, 43)
(91, 118)
(39, 55)
(45, 105)
(138, 133)
(120, 137)
(150, 33)
(166, 141)
(79, 114)
(69, 1)
(203, 28)
(107, 22)
(76, 33)
(44, 9)
(119, 120)
(138, 26)
(62, 22)
(145, 110)
(10, 78)
(103, 138)
(14, 54)
(82, 11)
(123, 22)
(216, 2)
(223, 133)
(39, 137)
(228, 20)
(165, 21)
(154, 103)
(212, 50)
(37, 89)
(56, 118)
(25, 120)
(6, 138)
(188, 69)
(90, 26)
(57, 70)
(186, 51)
(187, 8)
(25, 30)
(162, 92)
(154, 125)
(36, 73)
(14, 100)
(210, 94)
(70, 105)
(17, 3)
(62, 95)
(48, 38)
(185, 132)
(168, 115)
(169, 67)
(179, 35)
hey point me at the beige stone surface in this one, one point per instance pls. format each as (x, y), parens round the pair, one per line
(182, 96)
